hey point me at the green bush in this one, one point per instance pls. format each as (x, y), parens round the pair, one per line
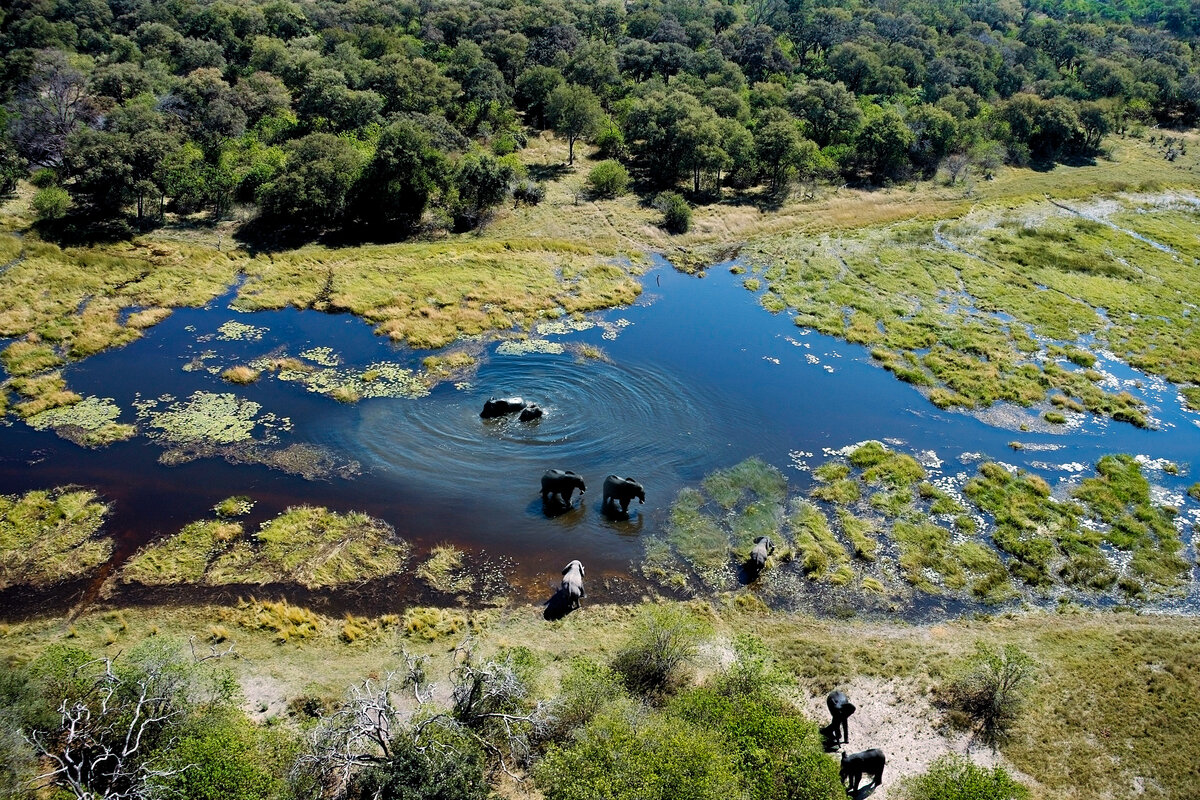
(51, 202)
(222, 755)
(587, 687)
(623, 755)
(664, 638)
(677, 214)
(529, 192)
(44, 178)
(441, 763)
(608, 179)
(953, 777)
(777, 753)
(989, 689)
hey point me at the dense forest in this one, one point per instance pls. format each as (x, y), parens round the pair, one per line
(389, 117)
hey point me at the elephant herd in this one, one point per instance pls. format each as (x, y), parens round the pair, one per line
(558, 487)
(837, 733)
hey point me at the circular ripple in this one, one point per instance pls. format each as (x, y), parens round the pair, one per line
(600, 418)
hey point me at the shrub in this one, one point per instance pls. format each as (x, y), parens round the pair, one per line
(587, 687)
(433, 762)
(529, 192)
(778, 753)
(51, 202)
(677, 214)
(989, 690)
(664, 638)
(608, 179)
(44, 178)
(610, 140)
(221, 755)
(623, 756)
(953, 777)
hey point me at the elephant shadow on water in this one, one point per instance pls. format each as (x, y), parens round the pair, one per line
(621, 521)
(570, 516)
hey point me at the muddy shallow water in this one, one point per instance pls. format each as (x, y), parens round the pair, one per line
(696, 376)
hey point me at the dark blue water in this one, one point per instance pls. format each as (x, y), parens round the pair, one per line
(696, 377)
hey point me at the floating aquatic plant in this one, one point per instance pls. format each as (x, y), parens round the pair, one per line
(51, 536)
(322, 355)
(380, 379)
(233, 331)
(91, 422)
(236, 506)
(524, 347)
(208, 418)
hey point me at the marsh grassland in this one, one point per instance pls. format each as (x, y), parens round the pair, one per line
(984, 293)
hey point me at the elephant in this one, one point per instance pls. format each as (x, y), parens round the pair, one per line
(559, 484)
(840, 708)
(572, 583)
(531, 412)
(499, 406)
(856, 764)
(763, 547)
(622, 490)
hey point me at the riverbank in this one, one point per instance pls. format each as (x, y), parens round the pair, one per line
(1112, 709)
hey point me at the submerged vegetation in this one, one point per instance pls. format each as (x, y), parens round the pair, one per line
(989, 538)
(51, 536)
(310, 547)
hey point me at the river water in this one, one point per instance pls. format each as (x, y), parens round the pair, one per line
(696, 376)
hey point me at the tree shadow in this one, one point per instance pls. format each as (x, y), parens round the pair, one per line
(79, 230)
(547, 172)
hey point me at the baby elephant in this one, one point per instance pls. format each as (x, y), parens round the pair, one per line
(558, 484)
(621, 490)
(867, 762)
(763, 547)
(572, 583)
(840, 709)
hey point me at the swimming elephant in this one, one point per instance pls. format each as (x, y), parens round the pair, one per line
(840, 709)
(559, 484)
(621, 490)
(572, 583)
(763, 547)
(499, 406)
(868, 761)
(531, 412)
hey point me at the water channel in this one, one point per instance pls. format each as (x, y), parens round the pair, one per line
(695, 376)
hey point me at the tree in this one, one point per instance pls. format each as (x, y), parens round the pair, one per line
(480, 183)
(313, 190)
(777, 144)
(398, 182)
(574, 112)
(883, 144)
(534, 88)
(53, 104)
(829, 110)
(12, 166)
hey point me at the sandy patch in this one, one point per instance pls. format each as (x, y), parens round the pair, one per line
(894, 717)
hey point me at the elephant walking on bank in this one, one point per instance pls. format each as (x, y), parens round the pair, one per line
(572, 583)
(621, 490)
(559, 484)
